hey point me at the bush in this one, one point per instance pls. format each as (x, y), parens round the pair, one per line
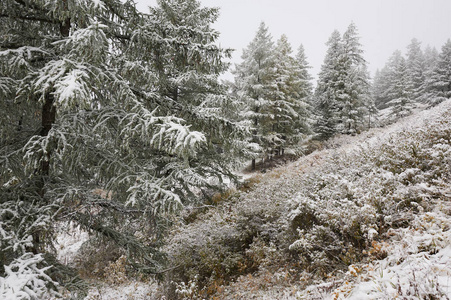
(354, 198)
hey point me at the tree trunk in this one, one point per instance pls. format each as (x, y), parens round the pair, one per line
(48, 118)
(253, 164)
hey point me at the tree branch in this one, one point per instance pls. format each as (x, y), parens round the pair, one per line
(30, 18)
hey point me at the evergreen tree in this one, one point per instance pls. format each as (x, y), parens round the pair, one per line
(326, 92)
(305, 90)
(342, 95)
(400, 90)
(438, 86)
(253, 80)
(287, 109)
(95, 95)
(353, 83)
(305, 84)
(379, 88)
(430, 58)
(416, 69)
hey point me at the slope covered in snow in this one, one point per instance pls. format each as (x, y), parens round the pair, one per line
(365, 218)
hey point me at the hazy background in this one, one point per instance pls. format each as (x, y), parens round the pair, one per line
(384, 25)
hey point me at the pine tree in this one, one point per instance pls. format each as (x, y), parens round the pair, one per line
(287, 109)
(326, 92)
(416, 69)
(253, 79)
(305, 91)
(342, 95)
(380, 86)
(97, 96)
(305, 84)
(430, 58)
(438, 86)
(400, 90)
(353, 83)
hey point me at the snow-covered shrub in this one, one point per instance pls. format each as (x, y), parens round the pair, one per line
(355, 197)
(239, 236)
(95, 257)
(320, 215)
(205, 252)
(26, 279)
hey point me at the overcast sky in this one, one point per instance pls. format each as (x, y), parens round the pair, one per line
(383, 25)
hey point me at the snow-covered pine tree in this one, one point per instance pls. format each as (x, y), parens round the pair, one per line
(287, 107)
(326, 92)
(400, 91)
(305, 79)
(98, 96)
(253, 78)
(430, 55)
(430, 58)
(370, 111)
(380, 86)
(416, 69)
(438, 85)
(305, 90)
(353, 83)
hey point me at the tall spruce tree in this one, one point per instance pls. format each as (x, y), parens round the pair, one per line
(400, 91)
(287, 107)
(305, 83)
(438, 85)
(96, 95)
(430, 58)
(342, 95)
(305, 91)
(381, 84)
(326, 92)
(353, 86)
(253, 80)
(416, 69)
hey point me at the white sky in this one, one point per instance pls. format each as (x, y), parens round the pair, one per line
(384, 25)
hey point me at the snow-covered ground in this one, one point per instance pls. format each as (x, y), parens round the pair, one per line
(413, 261)
(417, 259)
(68, 242)
(408, 262)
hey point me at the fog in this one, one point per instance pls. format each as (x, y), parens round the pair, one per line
(384, 25)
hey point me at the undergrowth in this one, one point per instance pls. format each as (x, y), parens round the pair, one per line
(291, 228)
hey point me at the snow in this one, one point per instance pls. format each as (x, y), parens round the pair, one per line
(69, 241)
(417, 260)
(24, 279)
(71, 87)
(419, 264)
(129, 290)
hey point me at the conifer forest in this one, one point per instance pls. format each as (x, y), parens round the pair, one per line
(130, 169)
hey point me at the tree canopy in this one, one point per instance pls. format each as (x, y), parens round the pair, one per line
(96, 95)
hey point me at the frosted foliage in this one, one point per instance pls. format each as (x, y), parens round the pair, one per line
(96, 95)
(438, 85)
(274, 86)
(342, 98)
(24, 279)
(254, 82)
(71, 87)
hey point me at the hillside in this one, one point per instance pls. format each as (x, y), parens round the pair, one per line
(367, 217)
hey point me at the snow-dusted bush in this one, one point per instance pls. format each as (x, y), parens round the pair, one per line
(25, 279)
(323, 215)
(355, 197)
(239, 236)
